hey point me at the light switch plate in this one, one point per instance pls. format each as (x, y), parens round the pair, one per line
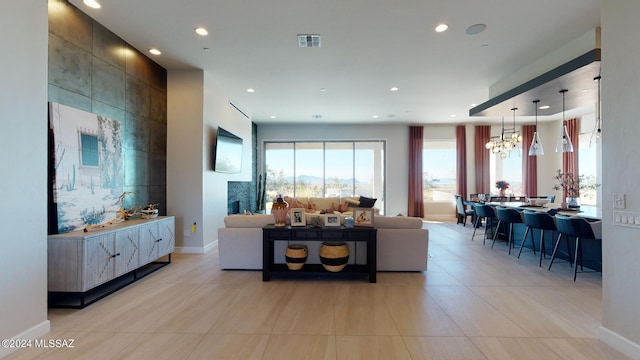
(618, 201)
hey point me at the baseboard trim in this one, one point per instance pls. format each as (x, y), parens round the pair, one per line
(619, 342)
(194, 249)
(35, 332)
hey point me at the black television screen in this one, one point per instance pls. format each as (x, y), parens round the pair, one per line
(228, 152)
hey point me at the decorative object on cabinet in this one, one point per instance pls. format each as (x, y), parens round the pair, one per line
(298, 217)
(334, 255)
(332, 220)
(296, 256)
(279, 210)
(363, 217)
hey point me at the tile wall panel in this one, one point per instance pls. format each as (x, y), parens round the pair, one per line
(69, 66)
(107, 83)
(109, 47)
(93, 69)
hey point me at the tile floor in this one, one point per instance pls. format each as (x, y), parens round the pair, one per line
(472, 303)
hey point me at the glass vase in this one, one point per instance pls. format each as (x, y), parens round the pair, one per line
(572, 202)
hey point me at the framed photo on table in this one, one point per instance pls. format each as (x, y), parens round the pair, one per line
(363, 217)
(298, 217)
(331, 220)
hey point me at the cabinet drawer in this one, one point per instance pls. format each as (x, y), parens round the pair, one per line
(358, 235)
(279, 235)
(333, 234)
(305, 235)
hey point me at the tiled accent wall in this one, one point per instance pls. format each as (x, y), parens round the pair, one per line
(92, 69)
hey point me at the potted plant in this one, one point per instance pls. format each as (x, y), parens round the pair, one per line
(571, 185)
(261, 195)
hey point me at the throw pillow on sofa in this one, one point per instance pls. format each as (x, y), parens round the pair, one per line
(366, 202)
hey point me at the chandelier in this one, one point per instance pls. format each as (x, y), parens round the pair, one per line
(508, 140)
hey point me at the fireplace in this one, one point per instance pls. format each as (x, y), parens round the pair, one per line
(240, 197)
(234, 207)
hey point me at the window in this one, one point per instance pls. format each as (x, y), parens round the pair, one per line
(439, 170)
(89, 155)
(508, 169)
(325, 169)
(587, 167)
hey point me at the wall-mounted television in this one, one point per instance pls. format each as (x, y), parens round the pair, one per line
(227, 154)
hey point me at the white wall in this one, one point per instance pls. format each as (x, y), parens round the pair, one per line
(185, 155)
(620, 246)
(396, 162)
(196, 194)
(218, 112)
(23, 155)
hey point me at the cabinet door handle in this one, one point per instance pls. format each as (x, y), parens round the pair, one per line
(159, 240)
(118, 254)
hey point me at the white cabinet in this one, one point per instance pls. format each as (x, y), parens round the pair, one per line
(81, 261)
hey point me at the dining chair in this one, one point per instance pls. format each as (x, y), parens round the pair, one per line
(463, 212)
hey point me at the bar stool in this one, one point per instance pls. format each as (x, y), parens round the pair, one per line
(537, 220)
(484, 212)
(509, 217)
(580, 229)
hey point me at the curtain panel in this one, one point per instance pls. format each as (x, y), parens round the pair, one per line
(570, 159)
(416, 197)
(461, 161)
(529, 163)
(483, 134)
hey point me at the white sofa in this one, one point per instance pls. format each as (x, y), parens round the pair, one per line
(402, 244)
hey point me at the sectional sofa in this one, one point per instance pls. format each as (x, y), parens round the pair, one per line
(402, 243)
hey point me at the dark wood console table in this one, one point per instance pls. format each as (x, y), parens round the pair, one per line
(271, 233)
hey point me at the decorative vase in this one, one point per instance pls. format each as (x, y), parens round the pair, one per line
(296, 256)
(279, 211)
(572, 202)
(334, 255)
(349, 222)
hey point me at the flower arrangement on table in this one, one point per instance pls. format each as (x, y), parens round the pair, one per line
(502, 186)
(571, 184)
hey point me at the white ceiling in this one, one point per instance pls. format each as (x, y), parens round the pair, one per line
(368, 46)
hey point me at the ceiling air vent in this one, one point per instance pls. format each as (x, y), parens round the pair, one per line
(308, 41)
(316, 116)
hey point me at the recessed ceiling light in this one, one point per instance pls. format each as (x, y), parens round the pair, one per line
(272, 116)
(475, 29)
(452, 115)
(442, 27)
(473, 105)
(201, 31)
(155, 51)
(323, 89)
(544, 107)
(92, 4)
(250, 90)
(375, 116)
(395, 88)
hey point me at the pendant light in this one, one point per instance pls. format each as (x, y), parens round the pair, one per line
(597, 130)
(536, 145)
(564, 142)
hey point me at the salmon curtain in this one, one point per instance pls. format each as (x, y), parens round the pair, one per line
(416, 202)
(483, 134)
(529, 163)
(570, 159)
(461, 161)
